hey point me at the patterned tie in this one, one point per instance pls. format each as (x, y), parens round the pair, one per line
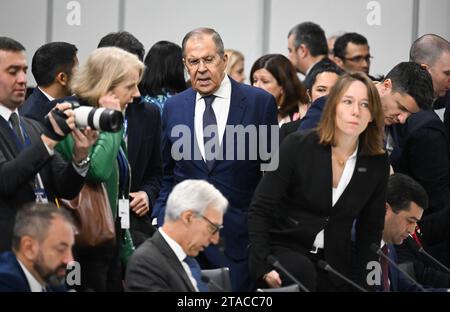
(14, 120)
(210, 121)
(196, 273)
(385, 269)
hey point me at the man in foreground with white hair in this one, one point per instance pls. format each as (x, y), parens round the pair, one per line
(193, 218)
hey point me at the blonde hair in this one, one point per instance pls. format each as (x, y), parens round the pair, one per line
(104, 69)
(233, 57)
(371, 139)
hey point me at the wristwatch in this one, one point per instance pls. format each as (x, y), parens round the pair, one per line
(83, 163)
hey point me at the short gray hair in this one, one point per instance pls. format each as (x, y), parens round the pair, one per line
(428, 49)
(199, 32)
(34, 220)
(195, 195)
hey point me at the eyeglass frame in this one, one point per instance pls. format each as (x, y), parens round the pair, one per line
(203, 60)
(359, 58)
(217, 227)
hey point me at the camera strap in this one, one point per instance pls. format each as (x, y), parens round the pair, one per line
(60, 119)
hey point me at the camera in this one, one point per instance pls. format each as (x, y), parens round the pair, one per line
(103, 119)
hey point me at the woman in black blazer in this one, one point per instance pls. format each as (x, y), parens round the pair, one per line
(326, 179)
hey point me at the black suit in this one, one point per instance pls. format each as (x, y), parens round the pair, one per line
(294, 203)
(155, 267)
(36, 106)
(144, 155)
(424, 156)
(18, 169)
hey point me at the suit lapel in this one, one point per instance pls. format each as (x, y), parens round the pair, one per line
(359, 177)
(172, 260)
(134, 132)
(324, 177)
(235, 116)
(6, 135)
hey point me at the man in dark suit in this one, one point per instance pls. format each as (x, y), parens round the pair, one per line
(193, 218)
(405, 202)
(216, 102)
(52, 68)
(30, 169)
(424, 149)
(308, 48)
(42, 243)
(144, 151)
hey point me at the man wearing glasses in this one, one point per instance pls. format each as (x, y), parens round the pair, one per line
(216, 102)
(193, 219)
(352, 53)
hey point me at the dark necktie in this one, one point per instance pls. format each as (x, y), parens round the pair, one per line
(196, 273)
(14, 120)
(385, 269)
(210, 122)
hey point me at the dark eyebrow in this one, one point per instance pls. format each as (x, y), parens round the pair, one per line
(17, 67)
(403, 108)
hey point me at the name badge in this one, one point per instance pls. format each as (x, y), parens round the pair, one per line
(124, 213)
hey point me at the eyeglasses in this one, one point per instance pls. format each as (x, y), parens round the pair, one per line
(360, 58)
(207, 61)
(215, 227)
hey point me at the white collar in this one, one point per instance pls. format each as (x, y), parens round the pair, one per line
(224, 90)
(6, 112)
(35, 286)
(49, 97)
(176, 248)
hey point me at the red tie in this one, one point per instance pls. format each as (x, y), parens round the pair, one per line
(385, 269)
(416, 235)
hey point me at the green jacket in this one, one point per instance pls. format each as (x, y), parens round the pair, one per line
(104, 168)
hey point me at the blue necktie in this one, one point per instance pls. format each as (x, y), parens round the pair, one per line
(196, 273)
(210, 121)
(14, 120)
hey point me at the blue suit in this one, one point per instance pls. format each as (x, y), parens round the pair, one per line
(37, 106)
(313, 115)
(12, 277)
(235, 179)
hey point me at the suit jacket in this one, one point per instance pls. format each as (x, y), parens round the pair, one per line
(235, 179)
(155, 267)
(294, 203)
(18, 169)
(144, 155)
(36, 106)
(312, 117)
(424, 156)
(289, 128)
(12, 277)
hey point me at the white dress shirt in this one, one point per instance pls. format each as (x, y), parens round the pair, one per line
(337, 191)
(35, 286)
(181, 255)
(221, 107)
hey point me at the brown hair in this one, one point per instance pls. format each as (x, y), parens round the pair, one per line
(371, 139)
(284, 73)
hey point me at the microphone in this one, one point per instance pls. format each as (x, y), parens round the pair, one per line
(325, 266)
(379, 252)
(411, 243)
(207, 280)
(273, 261)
